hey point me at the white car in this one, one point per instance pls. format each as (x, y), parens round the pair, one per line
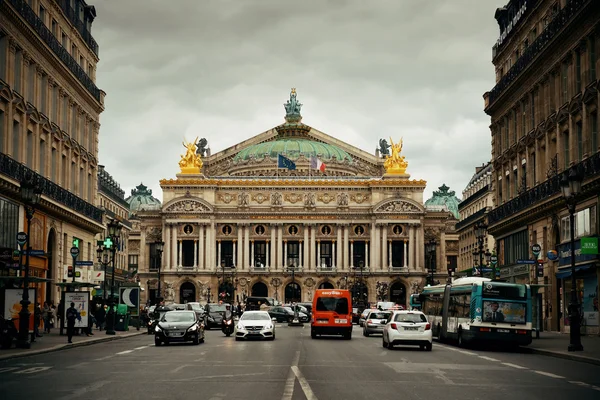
(255, 324)
(408, 327)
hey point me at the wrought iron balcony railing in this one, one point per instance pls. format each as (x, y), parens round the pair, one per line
(590, 167)
(38, 26)
(471, 218)
(79, 25)
(552, 31)
(18, 171)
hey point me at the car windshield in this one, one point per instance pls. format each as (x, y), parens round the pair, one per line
(336, 304)
(195, 307)
(378, 315)
(255, 317)
(414, 318)
(178, 317)
(217, 307)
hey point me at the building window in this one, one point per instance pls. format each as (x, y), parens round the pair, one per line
(54, 166)
(64, 40)
(293, 230)
(18, 66)
(54, 28)
(585, 224)
(73, 50)
(499, 191)
(592, 59)
(2, 132)
(532, 110)
(565, 83)
(594, 131)
(9, 223)
(579, 141)
(31, 82)
(73, 177)
(3, 50)
(577, 72)
(514, 247)
(523, 118)
(16, 141)
(259, 230)
(133, 260)
(516, 182)
(44, 95)
(43, 14)
(533, 170)
(43, 158)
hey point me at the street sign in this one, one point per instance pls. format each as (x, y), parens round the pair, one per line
(34, 252)
(526, 261)
(486, 269)
(74, 252)
(494, 259)
(21, 239)
(85, 263)
(536, 249)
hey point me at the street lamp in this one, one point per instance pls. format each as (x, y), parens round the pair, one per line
(159, 250)
(223, 283)
(276, 282)
(30, 194)
(102, 253)
(430, 248)
(114, 230)
(480, 233)
(295, 321)
(570, 185)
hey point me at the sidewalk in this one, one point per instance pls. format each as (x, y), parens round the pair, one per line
(556, 345)
(54, 342)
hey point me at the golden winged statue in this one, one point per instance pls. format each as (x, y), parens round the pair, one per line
(395, 164)
(190, 162)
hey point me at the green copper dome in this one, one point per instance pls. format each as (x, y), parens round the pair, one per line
(141, 199)
(445, 198)
(292, 148)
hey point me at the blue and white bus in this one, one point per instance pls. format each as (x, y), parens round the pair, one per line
(479, 309)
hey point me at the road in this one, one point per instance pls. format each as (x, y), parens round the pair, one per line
(292, 367)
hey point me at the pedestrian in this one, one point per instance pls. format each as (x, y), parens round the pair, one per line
(72, 315)
(47, 316)
(37, 320)
(239, 309)
(100, 317)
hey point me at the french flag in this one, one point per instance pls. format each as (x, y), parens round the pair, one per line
(315, 163)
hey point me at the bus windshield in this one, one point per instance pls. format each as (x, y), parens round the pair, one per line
(503, 291)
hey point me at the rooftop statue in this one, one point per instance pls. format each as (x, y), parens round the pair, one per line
(190, 162)
(396, 163)
(292, 108)
(383, 148)
(202, 147)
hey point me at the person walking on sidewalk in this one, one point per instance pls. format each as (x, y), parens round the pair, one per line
(72, 315)
(47, 316)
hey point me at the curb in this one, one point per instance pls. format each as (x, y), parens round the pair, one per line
(566, 356)
(67, 346)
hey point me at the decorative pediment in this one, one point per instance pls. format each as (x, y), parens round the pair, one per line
(397, 206)
(188, 205)
(590, 95)
(575, 105)
(563, 115)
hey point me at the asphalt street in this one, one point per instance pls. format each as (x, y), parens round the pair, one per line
(294, 366)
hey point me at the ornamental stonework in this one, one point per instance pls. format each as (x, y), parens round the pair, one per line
(153, 233)
(397, 206)
(187, 206)
(260, 197)
(326, 198)
(360, 198)
(293, 197)
(226, 197)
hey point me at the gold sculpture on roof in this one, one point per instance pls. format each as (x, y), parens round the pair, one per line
(190, 162)
(395, 164)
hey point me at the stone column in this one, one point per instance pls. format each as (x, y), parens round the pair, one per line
(174, 248)
(167, 254)
(246, 247)
(195, 254)
(338, 258)
(300, 251)
(367, 255)
(218, 253)
(210, 246)
(279, 262)
(285, 254)
(269, 248)
(408, 244)
(421, 247)
(313, 242)
(390, 265)
(350, 256)
(411, 248)
(318, 254)
(346, 244)
(180, 252)
(201, 251)
(273, 246)
(376, 247)
(252, 254)
(239, 255)
(384, 247)
(442, 258)
(306, 247)
(333, 255)
(235, 253)
(372, 260)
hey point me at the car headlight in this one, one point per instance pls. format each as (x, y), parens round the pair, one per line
(269, 327)
(157, 329)
(193, 328)
(240, 327)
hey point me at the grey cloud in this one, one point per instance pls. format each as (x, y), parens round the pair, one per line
(222, 70)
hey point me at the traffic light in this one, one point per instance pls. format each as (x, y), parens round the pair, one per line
(75, 242)
(70, 271)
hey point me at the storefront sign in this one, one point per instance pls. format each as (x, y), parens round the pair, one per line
(589, 245)
(564, 253)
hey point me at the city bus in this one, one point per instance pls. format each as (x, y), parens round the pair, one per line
(414, 302)
(479, 309)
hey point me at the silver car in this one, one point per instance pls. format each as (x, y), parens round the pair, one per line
(375, 321)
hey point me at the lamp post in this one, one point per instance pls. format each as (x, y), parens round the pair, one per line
(480, 233)
(159, 250)
(114, 229)
(30, 194)
(570, 185)
(104, 261)
(430, 249)
(295, 321)
(361, 300)
(276, 282)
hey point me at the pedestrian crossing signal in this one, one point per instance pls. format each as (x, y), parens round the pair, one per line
(75, 242)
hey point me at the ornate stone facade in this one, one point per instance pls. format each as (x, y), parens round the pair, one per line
(245, 234)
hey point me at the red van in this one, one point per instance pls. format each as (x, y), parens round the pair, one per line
(331, 313)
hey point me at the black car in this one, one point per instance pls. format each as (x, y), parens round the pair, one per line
(286, 314)
(155, 316)
(179, 326)
(213, 314)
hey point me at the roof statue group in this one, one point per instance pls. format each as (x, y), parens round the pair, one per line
(395, 164)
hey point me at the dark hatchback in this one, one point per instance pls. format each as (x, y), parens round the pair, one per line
(179, 326)
(213, 314)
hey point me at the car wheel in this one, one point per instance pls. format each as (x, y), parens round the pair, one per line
(348, 335)
(196, 340)
(157, 342)
(291, 319)
(428, 346)
(201, 340)
(365, 333)
(384, 343)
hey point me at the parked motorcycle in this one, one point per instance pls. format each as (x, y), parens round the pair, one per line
(8, 332)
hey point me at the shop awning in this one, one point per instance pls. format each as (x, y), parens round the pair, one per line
(566, 271)
(77, 284)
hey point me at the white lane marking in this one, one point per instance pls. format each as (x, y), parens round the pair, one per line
(514, 366)
(383, 353)
(549, 374)
(125, 352)
(596, 388)
(81, 364)
(467, 353)
(488, 358)
(104, 358)
(7, 369)
(33, 370)
(179, 368)
(141, 347)
(579, 383)
(288, 390)
(308, 393)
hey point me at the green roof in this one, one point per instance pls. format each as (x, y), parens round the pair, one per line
(141, 199)
(292, 148)
(445, 198)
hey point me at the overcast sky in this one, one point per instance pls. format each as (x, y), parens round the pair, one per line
(364, 70)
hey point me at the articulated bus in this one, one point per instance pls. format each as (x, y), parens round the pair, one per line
(479, 309)
(414, 302)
